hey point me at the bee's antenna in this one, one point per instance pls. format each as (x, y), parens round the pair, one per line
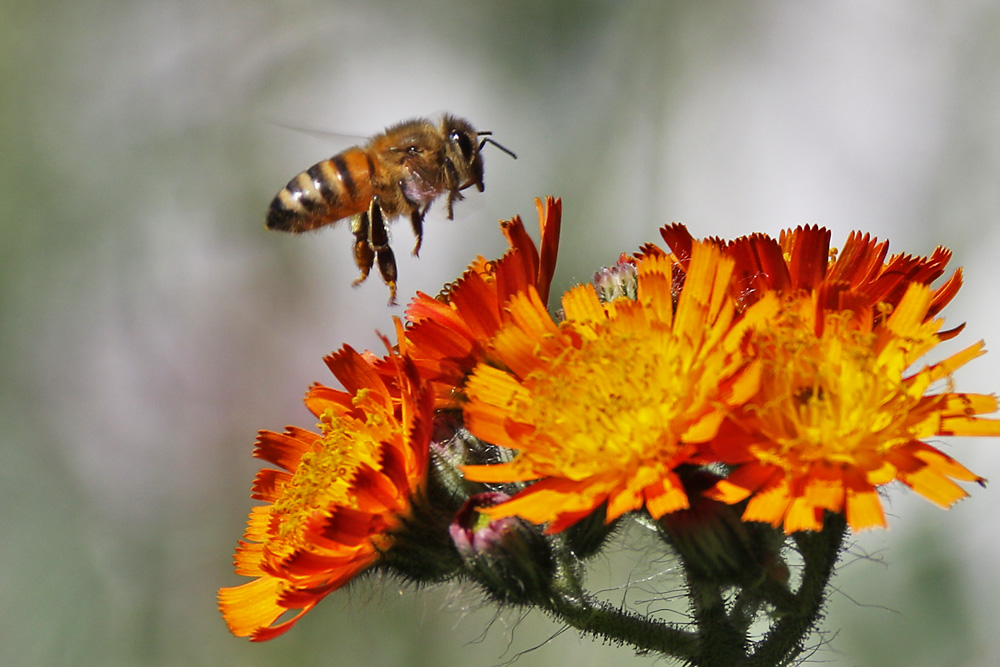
(487, 140)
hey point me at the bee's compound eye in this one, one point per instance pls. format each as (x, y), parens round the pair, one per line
(413, 150)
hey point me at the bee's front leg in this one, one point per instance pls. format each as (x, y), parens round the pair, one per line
(451, 184)
(417, 222)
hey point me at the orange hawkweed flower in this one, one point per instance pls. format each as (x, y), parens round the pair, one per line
(837, 415)
(338, 497)
(449, 334)
(857, 277)
(605, 405)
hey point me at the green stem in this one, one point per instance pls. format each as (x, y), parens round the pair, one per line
(820, 552)
(568, 601)
(616, 625)
(720, 639)
(721, 642)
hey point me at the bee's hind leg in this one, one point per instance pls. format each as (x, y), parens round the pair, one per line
(378, 245)
(364, 256)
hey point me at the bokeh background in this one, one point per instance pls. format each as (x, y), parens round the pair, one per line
(150, 324)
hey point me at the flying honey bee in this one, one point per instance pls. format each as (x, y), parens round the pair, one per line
(399, 172)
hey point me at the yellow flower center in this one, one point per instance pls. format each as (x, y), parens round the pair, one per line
(610, 402)
(839, 397)
(325, 477)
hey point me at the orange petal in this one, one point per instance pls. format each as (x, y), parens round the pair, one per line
(550, 222)
(528, 313)
(705, 428)
(824, 486)
(258, 523)
(356, 373)
(247, 558)
(943, 463)
(491, 391)
(282, 449)
(581, 304)
(969, 426)
(966, 405)
(517, 349)
(546, 500)
(655, 289)
(859, 260)
(476, 301)
(770, 503)
(801, 515)
(320, 398)
(934, 486)
(624, 499)
(497, 473)
(666, 496)
(948, 366)
(911, 311)
(742, 482)
(252, 605)
(863, 507)
(518, 239)
(809, 251)
(268, 484)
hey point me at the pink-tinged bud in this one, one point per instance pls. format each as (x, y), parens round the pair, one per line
(509, 557)
(474, 532)
(615, 282)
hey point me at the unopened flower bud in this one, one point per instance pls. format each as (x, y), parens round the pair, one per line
(615, 282)
(715, 544)
(509, 557)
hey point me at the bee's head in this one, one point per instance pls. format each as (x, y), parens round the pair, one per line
(462, 150)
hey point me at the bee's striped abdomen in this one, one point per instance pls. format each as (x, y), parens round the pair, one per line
(326, 192)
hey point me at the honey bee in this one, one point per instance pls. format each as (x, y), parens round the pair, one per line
(399, 172)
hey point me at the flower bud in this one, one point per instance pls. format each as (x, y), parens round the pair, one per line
(615, 282)
(509, 557)
(715, 544)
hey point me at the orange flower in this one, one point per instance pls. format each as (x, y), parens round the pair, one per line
(858, 277)
(339, 496)
(448, 335)
(605, 405)
(837, 415)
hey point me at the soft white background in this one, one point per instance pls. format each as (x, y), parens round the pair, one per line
(149, 325)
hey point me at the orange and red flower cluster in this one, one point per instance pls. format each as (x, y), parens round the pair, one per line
(788, 369)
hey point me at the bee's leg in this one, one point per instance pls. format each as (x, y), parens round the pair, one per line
(378, 240)
(417, 222)
(451, 184)
(364, 256)
(454, 195)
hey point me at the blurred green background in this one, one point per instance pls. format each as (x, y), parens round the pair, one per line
(150, 325)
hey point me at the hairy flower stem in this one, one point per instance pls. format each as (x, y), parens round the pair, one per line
(619, 626)
(820, 552)
(569, 602)
(721, 638)
(720, 641)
